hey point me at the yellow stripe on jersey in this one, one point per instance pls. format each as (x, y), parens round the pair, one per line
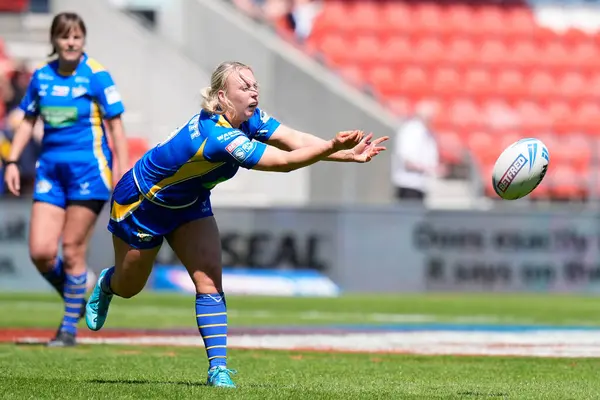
(195, 167)
(98, 132)
(119, 212)
(41, 65)
(222, 122)
(94, 65)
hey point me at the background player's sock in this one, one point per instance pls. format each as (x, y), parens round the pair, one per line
(211, 316)
(56, 276)
(74, 294)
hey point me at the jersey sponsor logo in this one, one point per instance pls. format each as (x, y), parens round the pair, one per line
(193, 127)
(43, 187)
(264, 117)
(143, 237)
(112, 95)
(60, 91)
(84, 188)
(59, 117)
(43, 89)
(229, 135)
(45, 77)
(171, 136)
(79, 91)
(241, 148)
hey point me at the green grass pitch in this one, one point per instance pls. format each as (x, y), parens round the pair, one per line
(136, 372)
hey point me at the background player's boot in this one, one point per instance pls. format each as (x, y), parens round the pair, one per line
(82, 311)
(97, 305)
(62, 339)
(221, 377)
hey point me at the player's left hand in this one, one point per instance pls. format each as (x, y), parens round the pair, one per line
(366, 150)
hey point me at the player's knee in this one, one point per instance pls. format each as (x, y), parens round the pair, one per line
(127, 294)
(208, 278)
(44, 257)
(73, 252)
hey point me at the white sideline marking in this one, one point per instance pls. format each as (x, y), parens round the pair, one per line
(533, 344)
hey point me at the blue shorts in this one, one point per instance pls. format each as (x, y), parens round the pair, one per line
(143, 224)
(60, 182)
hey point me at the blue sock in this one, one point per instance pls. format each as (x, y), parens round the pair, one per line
(105, 284)
(211, 316)
(74, 294)
(56, 276)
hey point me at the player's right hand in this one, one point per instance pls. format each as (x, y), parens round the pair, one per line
(347, 139)
(12, 177)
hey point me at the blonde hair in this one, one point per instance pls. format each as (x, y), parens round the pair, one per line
(218, 81)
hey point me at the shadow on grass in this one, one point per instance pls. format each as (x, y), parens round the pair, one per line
(144, 382)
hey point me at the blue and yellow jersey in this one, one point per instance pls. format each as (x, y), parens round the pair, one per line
(199, 155)
(72, 108)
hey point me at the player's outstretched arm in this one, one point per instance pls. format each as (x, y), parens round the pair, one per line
(274, 159)
(286, 138)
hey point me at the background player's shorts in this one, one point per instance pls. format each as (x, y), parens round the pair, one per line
(143, 224)
(60, 182)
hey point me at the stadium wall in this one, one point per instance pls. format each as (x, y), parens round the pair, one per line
(399, 249)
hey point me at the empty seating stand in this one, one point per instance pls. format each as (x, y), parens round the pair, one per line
(496, 72)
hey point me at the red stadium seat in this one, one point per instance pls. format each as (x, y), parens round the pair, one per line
(565, 183)
(477, 83)
(524, 55)
(396, 50)
(428, 51)
(17, 6)
(460, 19)
(587, 118)
(493, 52)
(450, 146)
(353, 74)
(520, 22)
(571, 85)
(335, 49)
(383, 78)
(365, 49)
(445, 82)
(483, 147)
(579, 150)
(397, 17)
(413, 82)
(540, 86)
(461, 52)
(491, 21)
(510, 84)
(559, 113)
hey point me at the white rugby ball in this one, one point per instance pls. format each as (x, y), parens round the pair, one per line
(520, 168)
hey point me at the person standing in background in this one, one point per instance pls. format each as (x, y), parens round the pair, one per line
(415, 159)
(78, 103)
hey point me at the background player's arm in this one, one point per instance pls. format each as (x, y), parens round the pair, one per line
(31, 109)
(22, 136)
(117, 135)
(112, 105)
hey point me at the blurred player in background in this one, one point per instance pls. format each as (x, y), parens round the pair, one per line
(72, 94)
(167, 195)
